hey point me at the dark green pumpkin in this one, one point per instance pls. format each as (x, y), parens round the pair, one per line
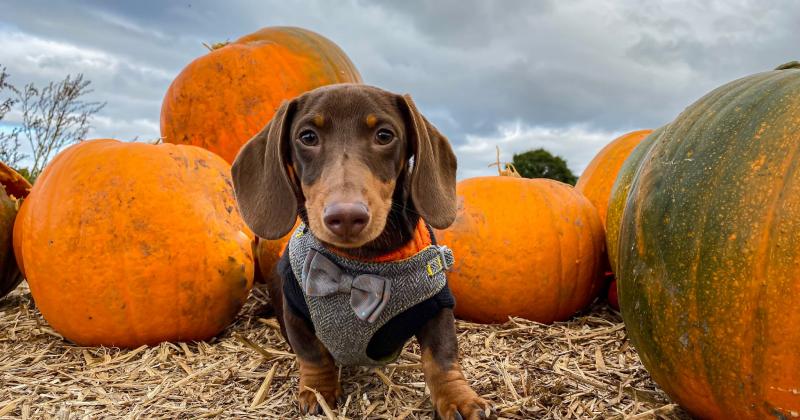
(709, 252)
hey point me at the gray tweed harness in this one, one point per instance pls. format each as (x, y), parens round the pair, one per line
(349, 300)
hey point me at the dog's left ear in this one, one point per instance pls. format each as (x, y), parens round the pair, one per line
(433, 177)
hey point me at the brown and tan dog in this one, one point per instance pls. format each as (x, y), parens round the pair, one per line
(360, 166)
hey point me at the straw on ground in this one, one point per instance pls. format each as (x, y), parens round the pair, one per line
(584, 368)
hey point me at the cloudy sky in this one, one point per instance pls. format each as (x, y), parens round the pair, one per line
(565, 75)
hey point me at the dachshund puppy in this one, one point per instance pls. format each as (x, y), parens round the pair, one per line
(369, 177)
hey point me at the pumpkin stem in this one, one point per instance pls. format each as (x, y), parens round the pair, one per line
(508, 168)
(790, 65)
(216, 45)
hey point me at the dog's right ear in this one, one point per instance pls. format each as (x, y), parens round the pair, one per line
(261, 181)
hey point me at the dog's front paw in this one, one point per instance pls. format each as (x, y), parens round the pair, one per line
(463, 403)
(309, 404)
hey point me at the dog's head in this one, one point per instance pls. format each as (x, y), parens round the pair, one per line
(343, 156)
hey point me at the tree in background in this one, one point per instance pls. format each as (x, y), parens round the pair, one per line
(540, 163)
(10, 148)
(53, 117)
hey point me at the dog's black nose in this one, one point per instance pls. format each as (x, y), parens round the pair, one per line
(346, 219)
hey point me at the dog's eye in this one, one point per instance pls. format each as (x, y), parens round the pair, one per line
(309, 138)
(384, 136)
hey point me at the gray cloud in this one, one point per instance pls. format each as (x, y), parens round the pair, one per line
(564, 75)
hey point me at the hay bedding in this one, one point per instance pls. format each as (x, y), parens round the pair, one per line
(584, 368)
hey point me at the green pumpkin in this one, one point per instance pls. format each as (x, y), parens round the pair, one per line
(709, 251)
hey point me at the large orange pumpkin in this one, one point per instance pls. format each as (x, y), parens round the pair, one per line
(127, 244)
(597, 179)
(709, 252)
(223, 98)
(17, 237)
(523, 247)
(619, 194)
(13, 187)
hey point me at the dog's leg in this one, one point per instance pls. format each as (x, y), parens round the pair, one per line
(317, 368)
(451, 394)
(274, 282)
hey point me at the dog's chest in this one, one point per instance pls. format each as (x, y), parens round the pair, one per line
(350, 300)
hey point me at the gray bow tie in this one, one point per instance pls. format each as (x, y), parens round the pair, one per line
(369, 293)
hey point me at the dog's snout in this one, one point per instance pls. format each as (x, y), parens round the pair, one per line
(346, 219)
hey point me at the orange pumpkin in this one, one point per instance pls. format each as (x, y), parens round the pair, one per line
(17, 236)
(267, 253)
(597, 179)
(619, 193)
(225, 97)
(523, 247)
(14, 188)
(127, 244)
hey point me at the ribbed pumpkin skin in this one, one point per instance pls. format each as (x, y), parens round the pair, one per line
(220, 100)
(709, 252)
(16, 238)
(597, 179)
(523, 247)
(14, 188)
(619, 194)
(127, 244)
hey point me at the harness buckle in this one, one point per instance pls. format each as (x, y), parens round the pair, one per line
(442, 262)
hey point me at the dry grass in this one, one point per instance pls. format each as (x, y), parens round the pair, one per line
(584, 368)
